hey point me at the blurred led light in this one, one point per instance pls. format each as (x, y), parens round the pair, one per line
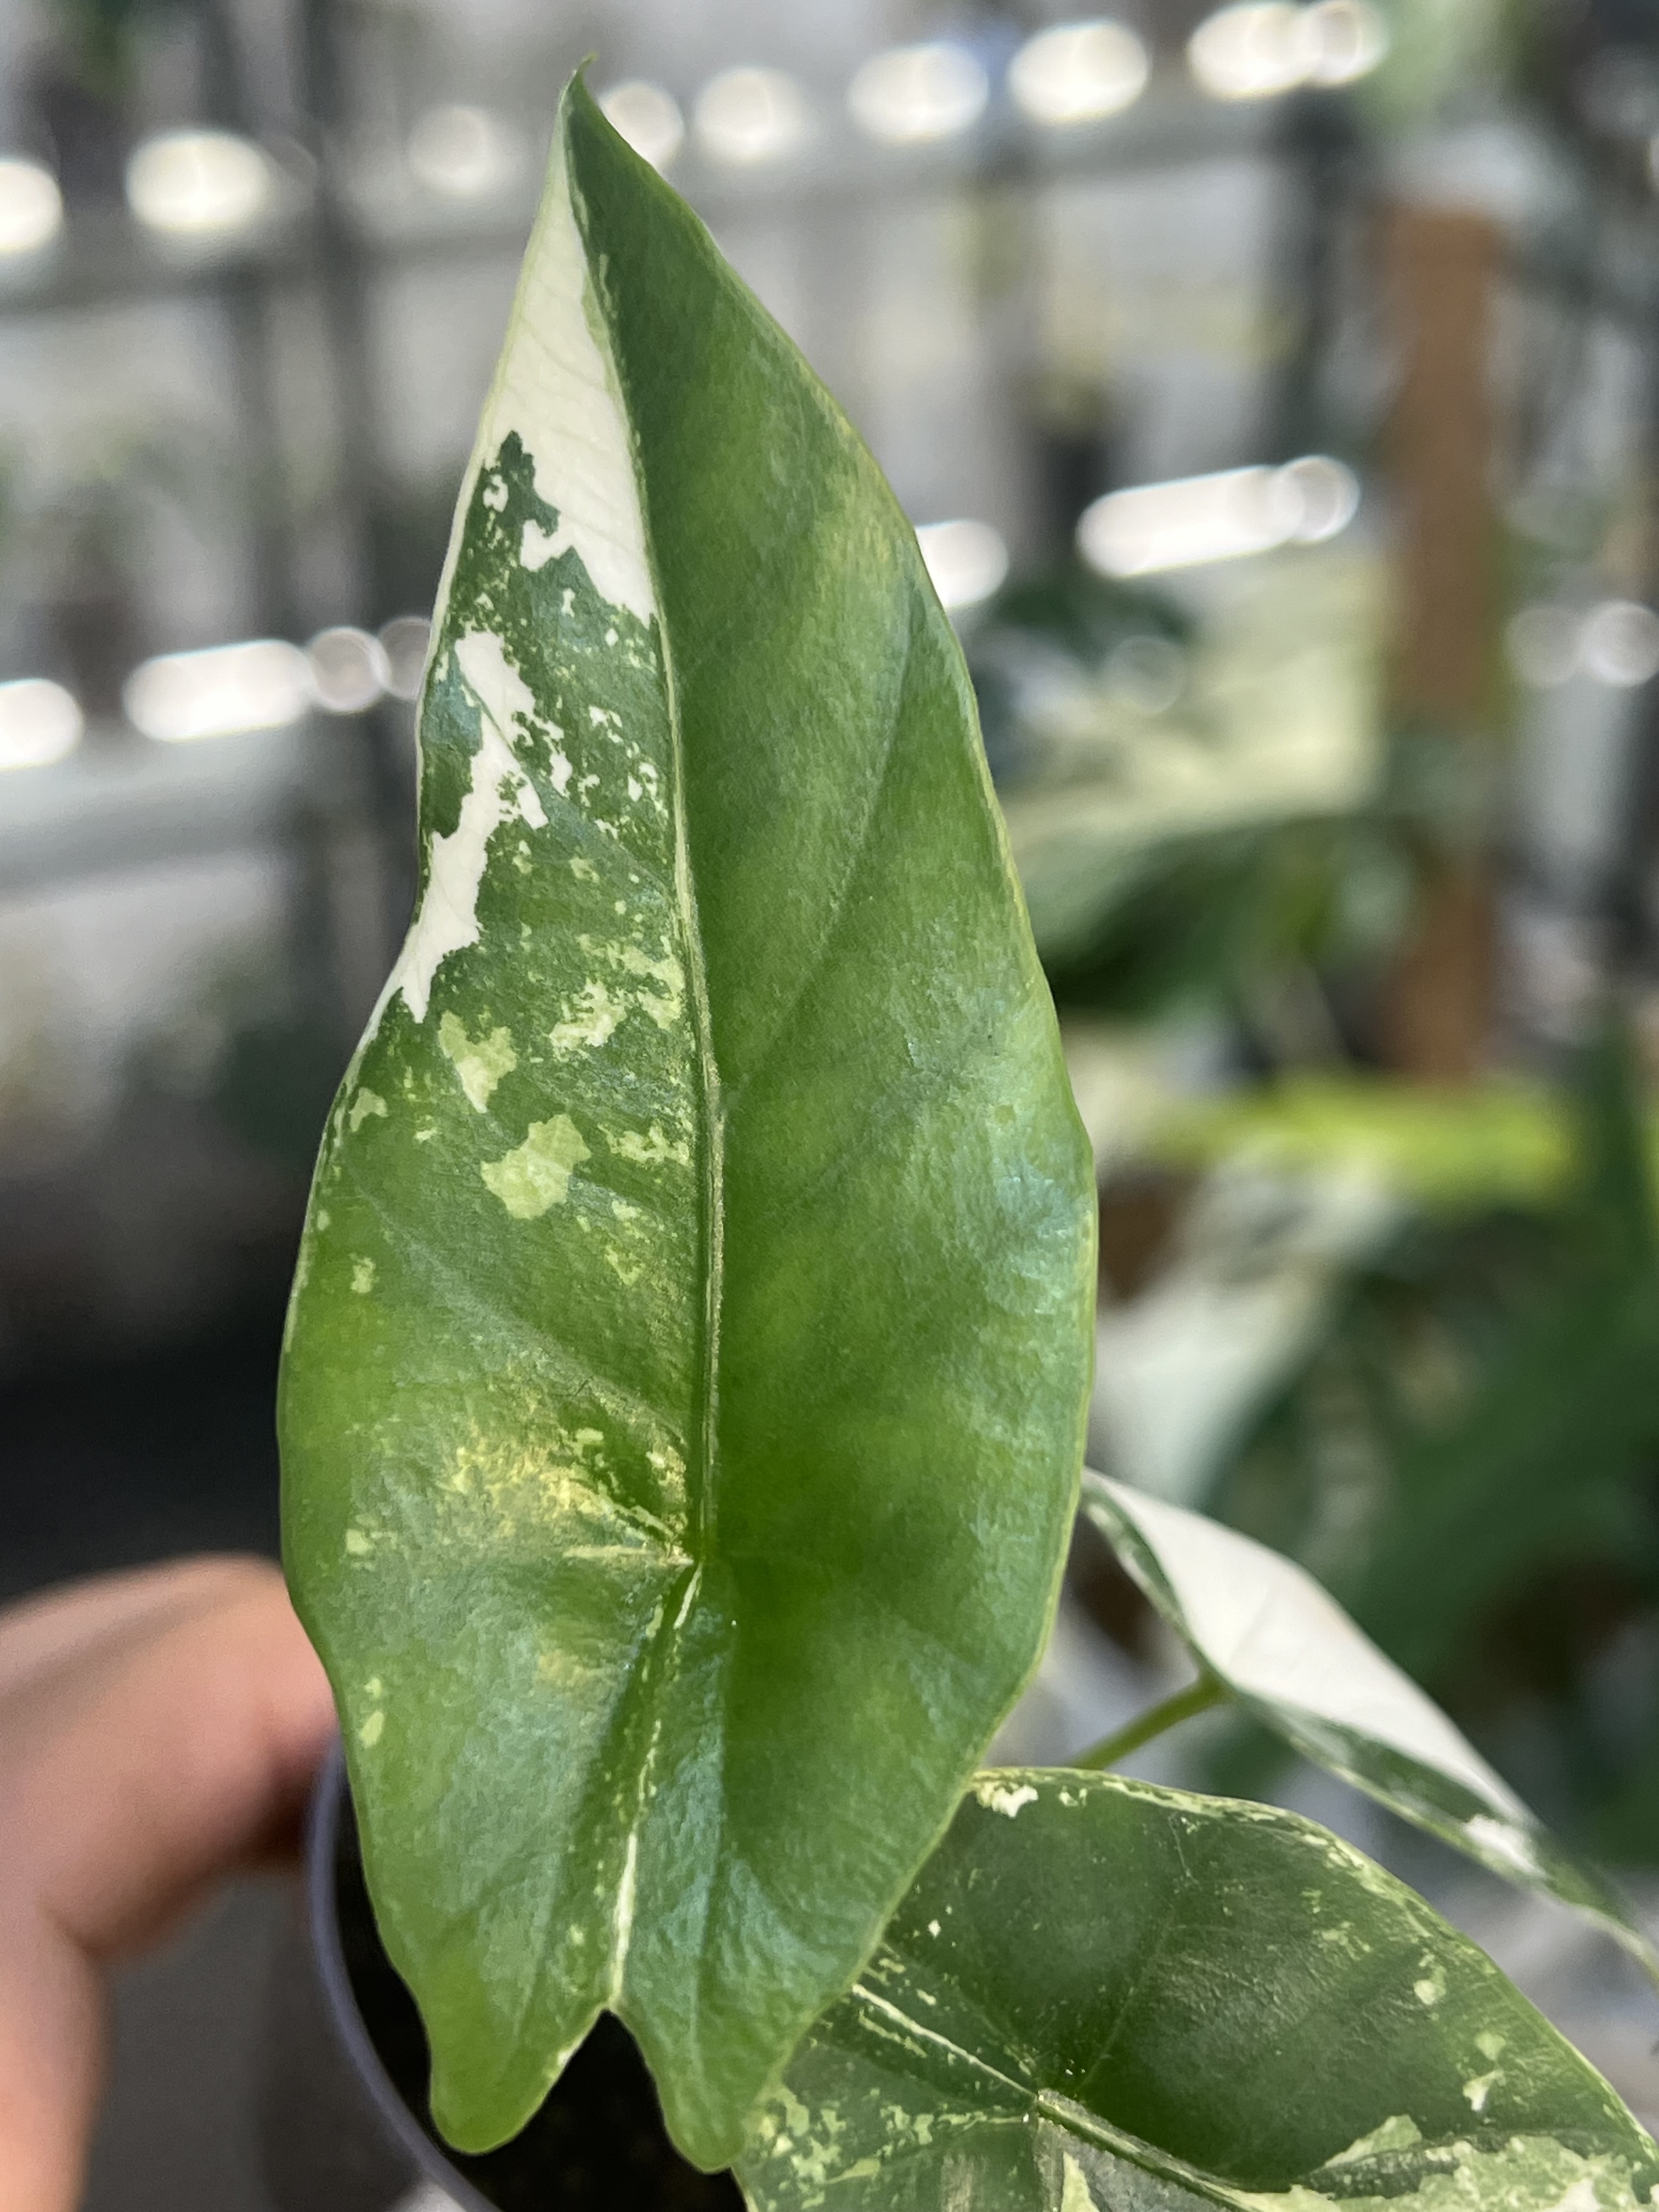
(197, 184)
(1252, 52)
(967, 560)
(1543, 646)
(31, 206)
(179, 696)
(1146, 673)
(1079, 72)
(1348, 40)
(745, 115)
(1618, 644)
(403, 641)
(1266, 47)
(1315, 498)
(1195, 520)
(348, 670)
(40, 723)
(911, 95)
(460, 153)
(648, 118)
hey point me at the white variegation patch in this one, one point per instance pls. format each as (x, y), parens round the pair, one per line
(557, 388)
(1266, 1627)
(448, 917)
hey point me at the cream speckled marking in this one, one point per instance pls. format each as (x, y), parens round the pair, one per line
(1074, 2190)
(1527, 2173)
(479, 1062)
(372, 1730)
(1580, 2198)
(536, 1175)
(1398, 2132)
(362, 1277)
(650, 1151)
(553, 1481)
(623, 1924)
(590, 1019)
(665, 1006)
(998, 1797)
(365, 1103)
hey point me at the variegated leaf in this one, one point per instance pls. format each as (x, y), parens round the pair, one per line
(1265, 1629)
(684, 1394)
(1103, 1996)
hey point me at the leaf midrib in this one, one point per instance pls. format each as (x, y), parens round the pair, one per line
(1054, 2106)
(700, 1446)
(1078, 2120)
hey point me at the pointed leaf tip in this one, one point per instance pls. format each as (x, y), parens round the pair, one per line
(1287, 1651)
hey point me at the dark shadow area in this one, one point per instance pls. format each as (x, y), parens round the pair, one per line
(598, 2142)
(115, 1462)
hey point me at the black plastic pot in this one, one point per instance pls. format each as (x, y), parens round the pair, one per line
(598, 2142)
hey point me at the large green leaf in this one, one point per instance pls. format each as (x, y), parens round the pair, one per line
(685, 1386)
(1264, 1628)
(1103, 1995)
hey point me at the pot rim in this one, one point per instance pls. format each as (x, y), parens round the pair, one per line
(322, 1835)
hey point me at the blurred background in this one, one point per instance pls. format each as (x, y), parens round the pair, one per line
(1275, 389)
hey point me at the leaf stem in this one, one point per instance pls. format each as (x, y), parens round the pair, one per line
(1197, 1698)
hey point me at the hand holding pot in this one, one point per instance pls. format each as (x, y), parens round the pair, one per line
(157, 1730)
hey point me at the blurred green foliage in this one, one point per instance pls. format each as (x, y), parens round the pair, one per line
(1504, 1142)
(1466, 1455)
(1465, 1446)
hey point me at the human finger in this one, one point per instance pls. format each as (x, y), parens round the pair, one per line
(59, 1624)
(148, 1745)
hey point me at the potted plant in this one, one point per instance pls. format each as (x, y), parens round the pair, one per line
(683, 1397)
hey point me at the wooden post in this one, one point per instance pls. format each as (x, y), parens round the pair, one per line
(1441, 267)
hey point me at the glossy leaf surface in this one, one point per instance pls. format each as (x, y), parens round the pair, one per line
(1103, 1995)
(1286, 1651)
(684, 1394)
